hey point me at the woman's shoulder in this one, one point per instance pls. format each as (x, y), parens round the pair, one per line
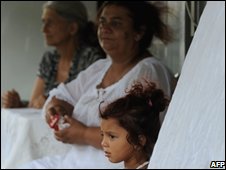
(94, 70)
(50, 55)
(99, 64)
(153, 65)
(49, 59)
(152, 62)
(91, 52)
(148, 62)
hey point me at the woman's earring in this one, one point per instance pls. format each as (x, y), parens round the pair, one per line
(137, 38)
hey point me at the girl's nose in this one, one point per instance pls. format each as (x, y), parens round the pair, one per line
(104, 142)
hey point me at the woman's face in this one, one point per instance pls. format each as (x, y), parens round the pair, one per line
(57, 30)
(114, 142)
(115, 30)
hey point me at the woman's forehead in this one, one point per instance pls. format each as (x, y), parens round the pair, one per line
(115, 11)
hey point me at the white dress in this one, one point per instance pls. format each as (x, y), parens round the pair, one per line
(83, 94)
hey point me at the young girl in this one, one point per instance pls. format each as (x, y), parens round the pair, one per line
(130, 126)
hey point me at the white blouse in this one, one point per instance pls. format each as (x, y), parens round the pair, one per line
(83, 94)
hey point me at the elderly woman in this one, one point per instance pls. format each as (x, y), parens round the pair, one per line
(125, 31)
(65, 27)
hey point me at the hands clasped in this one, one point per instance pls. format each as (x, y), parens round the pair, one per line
(74, 133)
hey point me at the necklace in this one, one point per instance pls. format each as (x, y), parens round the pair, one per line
(142, 165)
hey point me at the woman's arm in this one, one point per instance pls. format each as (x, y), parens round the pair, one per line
(11, 99)
(37, 99)
(92, 136)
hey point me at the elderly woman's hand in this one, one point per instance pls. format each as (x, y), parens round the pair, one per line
(11, 99)
(72, 134)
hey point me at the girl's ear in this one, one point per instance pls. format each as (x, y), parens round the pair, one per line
(142, 140)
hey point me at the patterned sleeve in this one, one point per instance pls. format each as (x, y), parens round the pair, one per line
(83, 59)
(46, 66)
(93, 54)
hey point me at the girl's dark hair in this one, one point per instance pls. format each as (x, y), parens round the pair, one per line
(146, 17)
(138, 113)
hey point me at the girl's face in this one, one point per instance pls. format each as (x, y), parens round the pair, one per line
(114, 142)
(115, 30)
(57, 30)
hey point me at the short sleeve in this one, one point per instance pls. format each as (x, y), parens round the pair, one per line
(46, 66)
(84, 57)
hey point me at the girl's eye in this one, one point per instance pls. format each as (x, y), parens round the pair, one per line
(112, 137)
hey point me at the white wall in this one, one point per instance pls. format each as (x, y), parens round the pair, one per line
(173, 54)
(193, 131)
(22, 43)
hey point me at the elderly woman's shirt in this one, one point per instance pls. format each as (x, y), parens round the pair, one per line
(83, 57)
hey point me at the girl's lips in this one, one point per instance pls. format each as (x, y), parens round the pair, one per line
(107, 154)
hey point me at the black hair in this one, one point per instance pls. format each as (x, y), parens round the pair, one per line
(146, 17)
(138, 113)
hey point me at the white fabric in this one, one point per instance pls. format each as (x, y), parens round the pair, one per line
(82, 93)
(20, 141)
(193, 132)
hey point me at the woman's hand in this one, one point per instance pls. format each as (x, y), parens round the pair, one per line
(11, 99)
(57, 106)
(79, 133)
(72, 134)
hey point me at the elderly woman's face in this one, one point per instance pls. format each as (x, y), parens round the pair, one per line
(56, 29)
(115, 30)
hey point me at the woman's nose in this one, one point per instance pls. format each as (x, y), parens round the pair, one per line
(44, 28)
(105, 27)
